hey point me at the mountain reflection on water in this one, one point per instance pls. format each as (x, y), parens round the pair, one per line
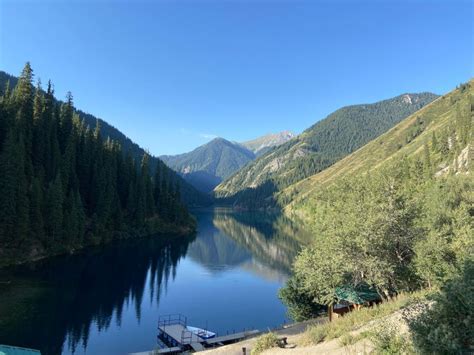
(107, 300)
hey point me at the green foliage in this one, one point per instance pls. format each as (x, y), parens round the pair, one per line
(300, 304)
(43, 141)
(387, 231)
(320, 146)
(366, 233)
(63, 186)
(264, 342)
(447, 327)
(388, 341)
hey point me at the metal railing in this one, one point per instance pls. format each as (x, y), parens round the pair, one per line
(170, 319)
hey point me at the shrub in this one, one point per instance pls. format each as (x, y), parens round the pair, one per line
(448, 325)
(348, 339)
(264, 342)
(386, 340)
(316, 334)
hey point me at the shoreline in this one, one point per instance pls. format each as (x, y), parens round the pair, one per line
(179, 231)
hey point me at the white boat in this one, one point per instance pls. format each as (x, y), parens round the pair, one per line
(204, 334)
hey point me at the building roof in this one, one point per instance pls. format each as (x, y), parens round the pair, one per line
(356, 294)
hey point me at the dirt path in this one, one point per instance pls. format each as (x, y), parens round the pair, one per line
(293, 333)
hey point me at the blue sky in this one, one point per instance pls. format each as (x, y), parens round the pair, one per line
(173, 74)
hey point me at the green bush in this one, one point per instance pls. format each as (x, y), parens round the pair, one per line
(447, 327)
(316, 334)
(387, 341)
(349, 339)
(264, 342)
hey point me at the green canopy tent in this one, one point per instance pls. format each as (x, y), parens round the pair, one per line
(356, 294)
(14, 350)
(349, 297)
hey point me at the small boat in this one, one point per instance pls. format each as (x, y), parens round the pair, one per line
(202, 333)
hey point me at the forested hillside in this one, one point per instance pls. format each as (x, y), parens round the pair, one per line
(189, 195)
(395, 216)
(64, 186)
(206, 166)
(320, 146)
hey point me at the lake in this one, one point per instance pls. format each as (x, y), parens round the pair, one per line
(107, 300)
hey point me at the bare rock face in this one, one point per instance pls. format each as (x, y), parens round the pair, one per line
(406, 99)
(460, 164)
(271, 140)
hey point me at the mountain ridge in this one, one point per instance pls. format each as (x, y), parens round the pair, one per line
(317, 148)
(406, 139)
(209, 164)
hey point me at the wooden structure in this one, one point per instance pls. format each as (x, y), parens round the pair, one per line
(173, 332)
(351, 298)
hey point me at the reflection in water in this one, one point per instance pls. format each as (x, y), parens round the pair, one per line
(113, 294)
(51, 301)
(272, 239)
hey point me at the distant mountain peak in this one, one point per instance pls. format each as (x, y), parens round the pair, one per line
(262, 144)
(206, 166)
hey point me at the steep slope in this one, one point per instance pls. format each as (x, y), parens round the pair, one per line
(64, 187)
(263, 144)
(317, 148)
(190, 195)
(206, 166)
(436, 127)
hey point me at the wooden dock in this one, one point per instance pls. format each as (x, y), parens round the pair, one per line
(174, 334)
(180, 334)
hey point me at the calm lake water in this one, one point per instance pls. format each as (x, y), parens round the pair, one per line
(108, 300)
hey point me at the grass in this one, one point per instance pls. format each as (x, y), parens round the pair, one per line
(264, 342)
(341, 328)
(349, 339)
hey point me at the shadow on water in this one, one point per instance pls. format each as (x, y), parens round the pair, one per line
(62, 304)
(48, 302)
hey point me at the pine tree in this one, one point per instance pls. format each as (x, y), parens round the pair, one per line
(8, 185)
(39, 130)
(427, 161)
(36, 210)
(66, 122)
(54, 210)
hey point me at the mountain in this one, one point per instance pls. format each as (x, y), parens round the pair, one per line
(263, 144)
(206, 166)
(190, 195)
(441, 131)
(317, 148)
